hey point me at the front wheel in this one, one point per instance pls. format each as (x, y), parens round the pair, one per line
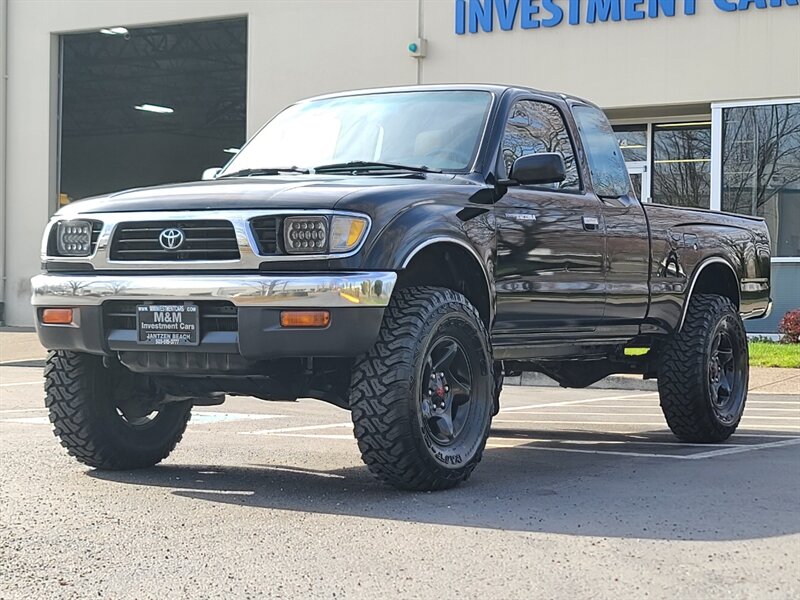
(422, 398)
(703, 375)
(102, 420)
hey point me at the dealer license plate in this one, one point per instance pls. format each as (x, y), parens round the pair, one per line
(168, 324)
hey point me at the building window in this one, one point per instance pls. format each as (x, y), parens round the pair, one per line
(633, 142)
(682, 164)
(761, 169)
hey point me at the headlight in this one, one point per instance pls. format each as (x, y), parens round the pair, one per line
(305, 235)
(74, 238)
(318, 235)
(346, 233)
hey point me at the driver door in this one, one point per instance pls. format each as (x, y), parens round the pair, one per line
(550, 239)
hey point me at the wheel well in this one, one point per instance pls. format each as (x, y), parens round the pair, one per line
(718, 278)
(449, 266)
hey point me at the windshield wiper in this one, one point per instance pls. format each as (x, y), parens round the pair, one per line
(365, 165)
(264, 171)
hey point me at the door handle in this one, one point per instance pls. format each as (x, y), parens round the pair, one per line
(591, 223)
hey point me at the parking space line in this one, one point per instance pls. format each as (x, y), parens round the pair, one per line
(572, 402)
(37, 382)
(293, 429)
(19, 410)
(747, 448)
(625, 442)
(318, 436)
(698, 456)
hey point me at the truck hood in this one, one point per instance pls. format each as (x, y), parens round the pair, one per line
(291, 191)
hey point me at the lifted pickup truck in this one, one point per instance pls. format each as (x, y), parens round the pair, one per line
(394, 252)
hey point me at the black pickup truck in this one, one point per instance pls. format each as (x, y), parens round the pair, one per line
(394, 252)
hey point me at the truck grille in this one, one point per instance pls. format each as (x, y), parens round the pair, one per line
(265, 230)
(215, 315)
(203, 240)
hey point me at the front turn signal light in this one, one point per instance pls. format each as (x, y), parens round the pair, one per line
(57, 316)
(346, 232)
(305, 318)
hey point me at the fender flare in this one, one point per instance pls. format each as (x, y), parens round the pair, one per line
(454, 240)
(696, 275)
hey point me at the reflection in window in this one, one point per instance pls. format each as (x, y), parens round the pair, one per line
(761, 169)
(682, 164)
(536, 127)
(633, 141)
(606, 164)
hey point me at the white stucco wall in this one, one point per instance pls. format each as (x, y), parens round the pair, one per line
(299, 48)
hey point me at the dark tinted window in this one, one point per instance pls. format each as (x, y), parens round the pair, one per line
(606, 164)
(536, 127)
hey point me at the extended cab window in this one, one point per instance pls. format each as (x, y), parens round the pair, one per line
(536, 127)
(606, 164)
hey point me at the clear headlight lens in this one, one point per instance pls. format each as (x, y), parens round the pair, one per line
(346, 233)
(74, 238)
(305, 235)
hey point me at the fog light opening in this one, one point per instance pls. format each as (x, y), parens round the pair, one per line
(305, 318)
(57, 316)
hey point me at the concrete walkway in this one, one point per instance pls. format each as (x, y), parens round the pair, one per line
(22, 345)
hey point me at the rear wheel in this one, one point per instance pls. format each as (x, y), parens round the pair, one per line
(102, 420)
(703, 375)
(422, 398)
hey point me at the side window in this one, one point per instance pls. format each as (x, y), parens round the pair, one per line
(535, 127)
(606, 164)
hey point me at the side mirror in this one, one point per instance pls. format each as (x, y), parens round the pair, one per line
(533, 169)
(211, 173)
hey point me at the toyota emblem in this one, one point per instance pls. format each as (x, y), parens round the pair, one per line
(171, 239)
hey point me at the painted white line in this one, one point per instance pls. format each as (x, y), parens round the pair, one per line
(726, 451)
(11, 363)
(28, 420)
(661, 424)
(319, 436)
(579, 451)
(198, 418)
(220, 492)
(293, 429)
(656, 415)
(629, 406)
(699, 456)
(551, 422)
(303, 472)
(622, 442)
(783, 402)
(209, 417)
(19, 410)
(571, 402)
(37, 382)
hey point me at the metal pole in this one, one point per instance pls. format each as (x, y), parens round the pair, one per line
(3, 147)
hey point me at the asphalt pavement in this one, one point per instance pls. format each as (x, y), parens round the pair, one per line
(581, 494)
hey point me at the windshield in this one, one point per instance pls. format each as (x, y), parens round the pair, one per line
(434, 129)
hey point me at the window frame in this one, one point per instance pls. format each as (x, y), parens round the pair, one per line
(500, 165)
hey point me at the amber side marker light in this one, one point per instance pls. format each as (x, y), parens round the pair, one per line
(57, 316)
(305, 318)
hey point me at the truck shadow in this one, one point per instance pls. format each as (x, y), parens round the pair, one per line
(529, 488)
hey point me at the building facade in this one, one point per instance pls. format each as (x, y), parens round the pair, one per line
(104, 95)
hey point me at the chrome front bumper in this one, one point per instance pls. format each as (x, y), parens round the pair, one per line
(331, 290)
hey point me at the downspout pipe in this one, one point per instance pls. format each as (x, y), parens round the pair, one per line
(3, 151)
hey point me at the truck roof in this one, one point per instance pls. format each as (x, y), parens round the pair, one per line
(496, 89)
